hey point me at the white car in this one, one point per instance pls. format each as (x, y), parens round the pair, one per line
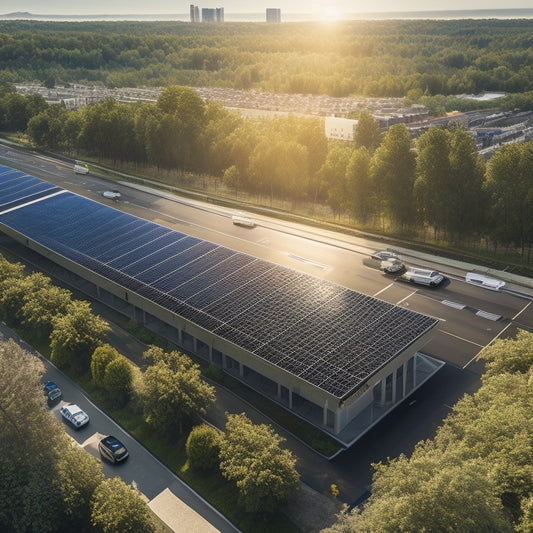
(113, 195)
(423, 276)
(81, 168)
(239, 220)
(74, 416)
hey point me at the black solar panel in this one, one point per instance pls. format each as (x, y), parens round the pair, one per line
(325, 334)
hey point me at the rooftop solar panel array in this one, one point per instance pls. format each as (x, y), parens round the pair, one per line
(326, 334)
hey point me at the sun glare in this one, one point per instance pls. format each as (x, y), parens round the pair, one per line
(332, 14)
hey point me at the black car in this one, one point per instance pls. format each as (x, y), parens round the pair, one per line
(112, 449)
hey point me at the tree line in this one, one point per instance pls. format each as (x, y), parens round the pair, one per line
(366, 58)
(435, 188)
(168, 395)
(476, 474)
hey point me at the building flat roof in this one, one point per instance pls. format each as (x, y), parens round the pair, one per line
(328, 335)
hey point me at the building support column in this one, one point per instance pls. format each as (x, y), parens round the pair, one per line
(404, 379)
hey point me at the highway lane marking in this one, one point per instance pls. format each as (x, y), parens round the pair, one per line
(308, 261)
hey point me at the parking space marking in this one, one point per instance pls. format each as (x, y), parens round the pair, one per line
(461, 338)
(383, 290)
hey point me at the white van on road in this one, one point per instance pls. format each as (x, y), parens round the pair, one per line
(485, 282)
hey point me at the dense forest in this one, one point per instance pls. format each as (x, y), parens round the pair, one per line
(363, 58)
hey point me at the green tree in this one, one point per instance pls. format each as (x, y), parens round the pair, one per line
(102, 356)
(333, 175)
(47, 128)
(117, 508)
(393, 172)
(510, 189)
(118, 380)
(361, 197)
(9, 270)
(174, 391)
(502, 356)
(428, 493)
(46, 482)
(367, 132)
(525, 524)
(42, 305)
(432, 188)
(251, 456)
(467, 174)
(76, 335)
(203, 446)
(232, 178)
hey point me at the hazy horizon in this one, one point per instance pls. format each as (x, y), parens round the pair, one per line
(328, 8)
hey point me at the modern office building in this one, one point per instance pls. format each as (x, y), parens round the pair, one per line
(212, 14)
(273, 14)
(337, 358)
(194, 13)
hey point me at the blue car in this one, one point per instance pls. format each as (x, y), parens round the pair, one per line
(52, 391)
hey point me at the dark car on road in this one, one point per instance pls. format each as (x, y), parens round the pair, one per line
(112, 449)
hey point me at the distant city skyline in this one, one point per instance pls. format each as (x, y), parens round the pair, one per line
(328, 8)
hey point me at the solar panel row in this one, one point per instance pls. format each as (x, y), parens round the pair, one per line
(321, 332)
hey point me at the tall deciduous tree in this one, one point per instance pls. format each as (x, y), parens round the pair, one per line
(76, 335)
(367, 132)
(432, 187)
(47, 128)
(393, 171)
(174, 391)
(503, 356)
(467, 177)
(251, 456)
(46, 483)
(361, 197)
(333, 174)
(510, 190)
(117, 508)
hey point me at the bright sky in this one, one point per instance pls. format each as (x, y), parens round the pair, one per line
(134, 7)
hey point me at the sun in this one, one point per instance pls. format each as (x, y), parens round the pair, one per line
(332, 13)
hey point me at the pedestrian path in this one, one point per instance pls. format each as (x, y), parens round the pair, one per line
(178, 516)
